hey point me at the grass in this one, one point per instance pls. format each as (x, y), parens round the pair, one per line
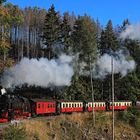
(78, 126)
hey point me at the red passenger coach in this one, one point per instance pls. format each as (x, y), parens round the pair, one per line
(42, 106)
(70, 106)
(121, 105)
(97, 106)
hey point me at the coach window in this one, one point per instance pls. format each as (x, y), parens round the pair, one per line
(66, 105)
(73, 105)
(38, 105)
(63, 105)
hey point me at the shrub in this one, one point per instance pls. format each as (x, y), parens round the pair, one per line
(131, 116)
(14, 133)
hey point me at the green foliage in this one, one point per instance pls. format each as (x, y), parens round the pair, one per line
(130, 116)
(20, 32)
(16, 16)
(66, 32)
(109, 40)
(52, 29)
(14, 133)
(84, 38)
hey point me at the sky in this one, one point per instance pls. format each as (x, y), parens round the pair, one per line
(116, 10)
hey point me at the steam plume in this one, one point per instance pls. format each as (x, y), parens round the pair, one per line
(121, 65)
(42, 72)
(131, 32)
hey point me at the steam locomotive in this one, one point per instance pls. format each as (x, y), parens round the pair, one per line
(17, 107)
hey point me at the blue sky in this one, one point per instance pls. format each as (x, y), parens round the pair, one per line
(116, 10)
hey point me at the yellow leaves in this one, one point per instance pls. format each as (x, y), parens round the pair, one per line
(8, 63)
(3, 13)
(4, 46)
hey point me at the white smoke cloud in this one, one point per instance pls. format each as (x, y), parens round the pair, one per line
(42, 72)
(131, 32)
(121, 65)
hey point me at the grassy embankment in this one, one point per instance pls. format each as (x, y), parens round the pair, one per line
(78, 126)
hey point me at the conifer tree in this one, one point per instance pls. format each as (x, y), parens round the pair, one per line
(84, 37)
(109, 41)
(52, 29)
(66, 32)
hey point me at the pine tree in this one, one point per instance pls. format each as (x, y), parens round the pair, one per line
(126, 22)
(84, 38)
(52, 29)
(109, 41)
(66, 32)
(84, 43)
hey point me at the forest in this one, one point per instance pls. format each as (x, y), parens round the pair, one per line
(37, 33)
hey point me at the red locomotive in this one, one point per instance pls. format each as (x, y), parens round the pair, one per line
(14, 108)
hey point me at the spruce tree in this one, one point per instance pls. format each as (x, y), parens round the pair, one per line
(52, 29)
(109, 40)
(66, 32)
(84, 37)
(85, 44)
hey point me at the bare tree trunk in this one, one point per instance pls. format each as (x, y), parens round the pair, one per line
(3, 39)
(22, 44)
(28, 41)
